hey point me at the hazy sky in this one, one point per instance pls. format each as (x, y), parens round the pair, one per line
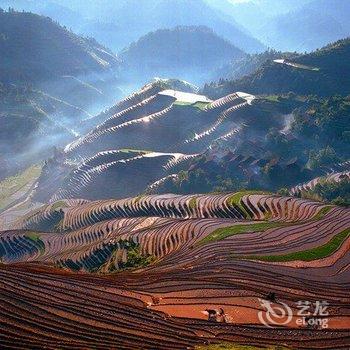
(237, 1)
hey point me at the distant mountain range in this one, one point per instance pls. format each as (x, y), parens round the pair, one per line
(117, 24)
(302, 25)
(191, 53)
(303, 30)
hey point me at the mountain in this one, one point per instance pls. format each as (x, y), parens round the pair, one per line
(337, 9)
(303, 30)
(177, 217)
(168, 138)
(50, 79)
(32, 123)
(80, 17)
(190, 53)
(246, 13)
(37, 51)
(246, 65)
(290, 25)
(312, 141)
(320, 73)
(140, 271)
(117, 25)
(158, 128)
(305, 27)
(171, 13)
(147, 263)
(54, 51)
(272, 7)
(53, 9)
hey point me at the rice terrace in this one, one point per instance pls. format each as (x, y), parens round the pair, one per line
(175, 178)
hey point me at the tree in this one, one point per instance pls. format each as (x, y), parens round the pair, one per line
(323, 157)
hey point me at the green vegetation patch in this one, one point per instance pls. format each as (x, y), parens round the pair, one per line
(224, 232)
(231, 346)
(322, 212)
(180, 103)
(58, 226)
(273, 98)
(285, 102)
(36, 238)
(193, 203)
(235, 199)
(131, 150)
(199, 105)
(138, 198)
(335, 192)
(316, 253)
(11, 188)
(135, 259)
(59, 205)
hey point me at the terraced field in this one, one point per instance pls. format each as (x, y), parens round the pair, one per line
(149, 272)
(139, 125)
(168, 271)
(16, 195)
(332, 177)
(143, 139)
(15, 187)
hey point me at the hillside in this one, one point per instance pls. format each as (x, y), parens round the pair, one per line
(311, 140)
(319, 73)
(168, 14)
(248, 64)
(190, 53)
(55, 9)
(168, 138)
(54, 51)
(39, 52)
(140, 134)
(50, 78)
(337, 9)
(333, 188)
(308, 27)
(176, 271)
(32, 123)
